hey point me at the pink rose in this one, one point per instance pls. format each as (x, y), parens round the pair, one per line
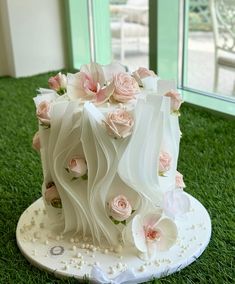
(176, 100)
(43, 113)
(58, 83)
(179, 181)
(77, 166)
(164, 163)
(36, 142)
(120, 208)
(126, 87)
(142, 73)
(119, 123)
(52, 196)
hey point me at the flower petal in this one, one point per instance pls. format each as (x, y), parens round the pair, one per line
(74, 88)
(175, 203)
(112, 69)
(150, 83)
(138, 234)
(152, 219)
(169, 234)
(45, 95)
(95, 71)
(104, 94)
(151, 250)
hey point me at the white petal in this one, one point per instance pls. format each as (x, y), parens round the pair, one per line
(95, 71)
(138, 234)
(152, 219)
(112, 69)
(45, 95)
(150, 83)
(152, 249)
(169, 234)
(175, 203)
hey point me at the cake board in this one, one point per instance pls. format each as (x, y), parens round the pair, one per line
(67, 256)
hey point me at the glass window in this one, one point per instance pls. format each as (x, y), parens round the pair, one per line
(210, 47)
(129, 28)
(189, 29)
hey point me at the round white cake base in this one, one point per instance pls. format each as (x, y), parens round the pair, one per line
(66, 256)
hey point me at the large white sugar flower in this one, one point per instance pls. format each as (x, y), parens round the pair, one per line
(89, 84)
(175, 203)
(153, 233)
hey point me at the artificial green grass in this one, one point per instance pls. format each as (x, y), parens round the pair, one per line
(207, 160)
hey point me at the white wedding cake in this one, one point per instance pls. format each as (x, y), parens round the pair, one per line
(109, 144)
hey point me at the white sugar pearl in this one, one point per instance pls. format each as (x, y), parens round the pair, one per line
(142, 268)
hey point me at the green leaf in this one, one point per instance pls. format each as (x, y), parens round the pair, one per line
(67, 170)
(61, 91)
(45, 126)
(85, 177)
(75, 178)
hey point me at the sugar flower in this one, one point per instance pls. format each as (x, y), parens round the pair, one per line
(119, 123)
(58, 83)
(126, 87)
(52, 196)
(146, 78)
(90, 84)
(77, 166)
(43, 113)
(153, 233)
(36, 142)
(120, 208)
(176, 101)
(179, 181)
(175, 203)
(164, 163)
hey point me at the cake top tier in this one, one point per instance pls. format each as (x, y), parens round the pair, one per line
(108, 84)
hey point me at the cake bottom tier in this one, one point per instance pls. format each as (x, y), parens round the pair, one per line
(72, 256)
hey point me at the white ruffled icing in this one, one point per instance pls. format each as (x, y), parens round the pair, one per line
(115, 166)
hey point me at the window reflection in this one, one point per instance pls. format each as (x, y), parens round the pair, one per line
(129, 32)
(211, 47)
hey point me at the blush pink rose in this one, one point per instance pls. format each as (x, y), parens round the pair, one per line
(119, 124)
(52, 196)
(58, 83)
(77, 166)
(176, 100)
(36, 142)
(120, 208)
(164, 162)
(142, 73)
(43, 113)
(179, 181)
(126, 87)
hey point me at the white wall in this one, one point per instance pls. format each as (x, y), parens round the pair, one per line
(33, 37)
(6, 55)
